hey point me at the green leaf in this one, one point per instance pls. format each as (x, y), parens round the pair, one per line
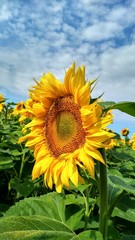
(50, 205)
(42, 218)
(75, 208)
(72, 199)
(128, 237)
(121, 156)
(125, 209)
(113, 191)
(81, 187)
(106, 105)
(34, 227)
(114, 172)
(126, 184)
(16, 152)
(113, 233)
(127, 107)
(73, 216)
(4, 150)
(124, 160)
(37, 218)
(90, 235)
(6, 163)
(24, 188)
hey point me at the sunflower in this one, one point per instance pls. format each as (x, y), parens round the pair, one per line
(111, 143)
(66, 131)
(25, 110)
(18, 107)
(125, 132)
(133, 141)
(1, 102)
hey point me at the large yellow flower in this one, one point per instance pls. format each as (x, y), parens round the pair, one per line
(66, 131)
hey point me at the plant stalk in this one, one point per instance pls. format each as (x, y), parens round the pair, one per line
(103, 192)
(86, 198)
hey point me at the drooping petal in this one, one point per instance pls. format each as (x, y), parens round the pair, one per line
(87, 161)
(94, 153)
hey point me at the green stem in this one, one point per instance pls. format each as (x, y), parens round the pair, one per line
(21, 169)
(103, 191)
(86, 199)
(23, 161)
(105, 211)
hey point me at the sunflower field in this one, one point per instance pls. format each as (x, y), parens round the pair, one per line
(65, 175)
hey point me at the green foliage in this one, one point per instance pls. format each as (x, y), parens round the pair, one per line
(16, 161)
(34, 227)
(43, 217)
(30, 211)
(121, 189)
(40, 206)
(125, 209)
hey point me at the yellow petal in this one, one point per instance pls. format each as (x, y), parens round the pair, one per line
(34, 141)
(92, 152)
(73, 173)
(59, 186)
(77, 81)
(68, 76)
(49, 180)
(88, 162)
(64, 177)
(96, 143)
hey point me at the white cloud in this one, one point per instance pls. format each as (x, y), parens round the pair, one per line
(5, 13)
(101, 31)
(118, 72)
(41, 36)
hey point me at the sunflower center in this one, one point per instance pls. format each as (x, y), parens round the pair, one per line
(65, 125)
(64, 131)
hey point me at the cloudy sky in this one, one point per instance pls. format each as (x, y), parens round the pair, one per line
(38, 36)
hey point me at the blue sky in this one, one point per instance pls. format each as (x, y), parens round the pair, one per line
(38, 36)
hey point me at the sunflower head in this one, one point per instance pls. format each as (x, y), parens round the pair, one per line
(25, 110)
(133, 141)
(133, 137)
(125, 132)
(1, 102)
(19, 106)
(111, 143)
(66, 131)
